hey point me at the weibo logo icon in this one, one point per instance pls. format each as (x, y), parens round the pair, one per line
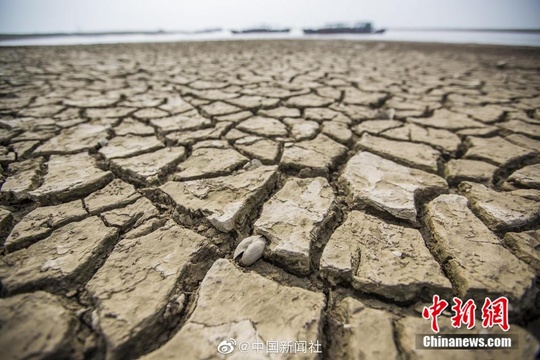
(226, 346)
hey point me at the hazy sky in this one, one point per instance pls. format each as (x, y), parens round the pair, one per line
(28, 16)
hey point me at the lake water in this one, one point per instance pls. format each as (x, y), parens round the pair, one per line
(463, 37)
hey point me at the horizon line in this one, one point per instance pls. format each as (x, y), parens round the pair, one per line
(215, 29)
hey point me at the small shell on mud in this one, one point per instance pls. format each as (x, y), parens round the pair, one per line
(250, 249)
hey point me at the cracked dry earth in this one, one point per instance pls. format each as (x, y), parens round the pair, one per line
(379, 175)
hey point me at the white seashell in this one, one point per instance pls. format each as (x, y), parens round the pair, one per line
(250, 249)
(397, 253)
(244, 244)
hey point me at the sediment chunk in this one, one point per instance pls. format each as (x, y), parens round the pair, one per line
(292, 220)
(382, 258)
(23, 149)
(476, 261)
(6, 219)
(70, 176)
(495, 150)
(376, 127)
(175, 104)
(357, 97)
(114, 112)
(528, 176)
(131, 215)
(148, 168)
(365, 333)
(318, 155)
(322, 114)
(76, 139)
(521, 127)
(438, 138)
(190, 120)
(279, 112)
(387, 186)
(235, 117)
(253, 102)
(445, 119)
(25, 177)
(526, 246)
(338, 131)
(40, 222)
(420, 156)
(131, 126)
(190, 137)
(263, 126)
(37, 326)
(503, 210)
(487, 114)
(309, 100)
(524, 141)
(126, 146)
(90, 102)
(458, 170)
(68, 255)
(116, 194)
(135, 290)
(149, 113)
(266, 150)
(220, 108)
(224, 201)
(302, 129)
(258, 317)
(209, 162)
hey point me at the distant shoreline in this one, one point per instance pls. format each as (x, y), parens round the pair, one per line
(161, 32)
(506, 37)
(101, 33)
(475, 30)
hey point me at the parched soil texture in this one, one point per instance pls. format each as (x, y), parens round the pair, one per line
(368, 177)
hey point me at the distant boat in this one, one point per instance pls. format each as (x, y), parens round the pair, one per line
(260, 30)
(207, 31)
(360, 28)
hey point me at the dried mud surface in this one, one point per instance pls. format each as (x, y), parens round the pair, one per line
(378, 174)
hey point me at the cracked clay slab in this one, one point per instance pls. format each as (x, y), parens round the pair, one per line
(37, 326)
(224, 201)
(259, 315)
(507, 210)
(319, 155)
(387, 186)
(67, 255)
(138, 283)
(70, 176)
(386, 259)
(366, 333)
(292, 220)
(475, 259)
